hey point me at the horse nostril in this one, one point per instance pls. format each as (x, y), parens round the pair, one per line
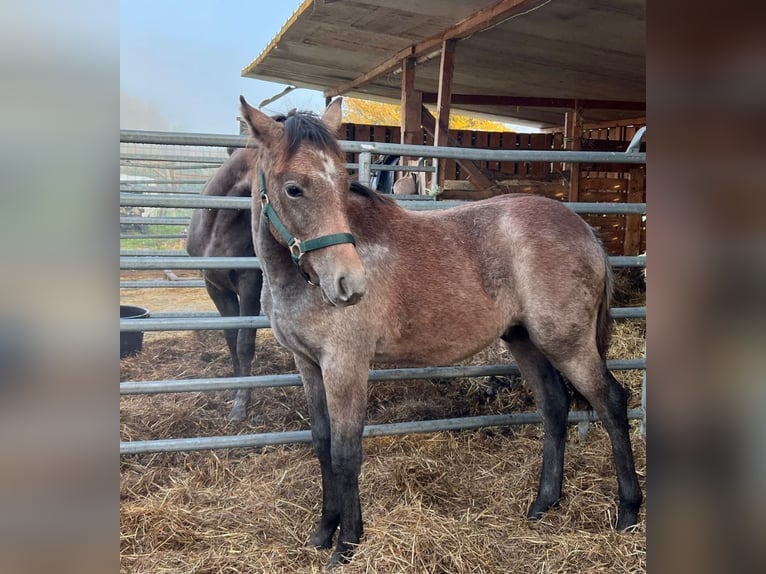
(347, 292)
(343, 290)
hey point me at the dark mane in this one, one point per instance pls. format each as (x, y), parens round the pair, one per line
(308, 127)
(374, 196)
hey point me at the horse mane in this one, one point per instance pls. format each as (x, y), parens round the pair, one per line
(308, 127)
(371, 194)
(303, 127)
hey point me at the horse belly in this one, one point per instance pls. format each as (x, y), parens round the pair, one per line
(443, 339)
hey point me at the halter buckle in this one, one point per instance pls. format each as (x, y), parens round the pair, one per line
(296, 249)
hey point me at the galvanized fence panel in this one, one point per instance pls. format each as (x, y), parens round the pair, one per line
(133, 194)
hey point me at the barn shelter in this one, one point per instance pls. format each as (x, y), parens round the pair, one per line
(574, 69)
(530, 61)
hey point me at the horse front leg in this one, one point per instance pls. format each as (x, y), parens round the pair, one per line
(313, 386)
(346, 392)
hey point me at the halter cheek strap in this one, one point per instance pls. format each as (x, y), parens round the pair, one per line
(297, 247)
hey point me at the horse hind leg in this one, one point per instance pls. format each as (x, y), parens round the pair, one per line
(249, 305)
(552, 399)
(588, 374)
(227, 303)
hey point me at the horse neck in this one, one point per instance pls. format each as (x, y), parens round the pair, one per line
(276, 262)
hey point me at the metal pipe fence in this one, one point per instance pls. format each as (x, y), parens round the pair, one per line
(215, 321)
(162, 260)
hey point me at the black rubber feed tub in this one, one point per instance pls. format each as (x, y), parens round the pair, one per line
(131, 342)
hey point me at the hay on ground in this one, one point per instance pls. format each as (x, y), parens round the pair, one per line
(448, 502)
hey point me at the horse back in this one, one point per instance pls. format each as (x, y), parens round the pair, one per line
(224, 232)
(449, 282)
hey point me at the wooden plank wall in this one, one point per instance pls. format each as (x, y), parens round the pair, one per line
(621, 234)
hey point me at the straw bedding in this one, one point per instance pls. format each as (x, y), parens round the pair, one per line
(449, 502)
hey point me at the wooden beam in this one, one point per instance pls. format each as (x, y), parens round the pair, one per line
(534, 102)
(476, 22)
(443, 102)
(475, 175)
(641, 121)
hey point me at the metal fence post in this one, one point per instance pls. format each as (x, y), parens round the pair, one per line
(365, 161)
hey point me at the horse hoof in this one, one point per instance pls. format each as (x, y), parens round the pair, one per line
(538, 509)
(238, 413)
(320, 540)
(338, 559)
(626, 519)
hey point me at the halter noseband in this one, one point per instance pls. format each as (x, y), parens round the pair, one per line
(297, 247)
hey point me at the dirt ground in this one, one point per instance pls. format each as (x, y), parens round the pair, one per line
(448, 502)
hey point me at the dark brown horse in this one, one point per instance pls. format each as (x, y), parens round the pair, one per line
(351, 278)
(227, 233)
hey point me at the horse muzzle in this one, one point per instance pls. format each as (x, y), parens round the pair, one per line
(344, 281)
(346, 288)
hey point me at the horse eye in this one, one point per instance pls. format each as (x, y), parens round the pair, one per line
(293, 190)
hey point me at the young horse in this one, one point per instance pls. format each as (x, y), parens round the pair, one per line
(350, 277)
(235, 292)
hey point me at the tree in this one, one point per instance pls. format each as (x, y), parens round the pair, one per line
(359, 111)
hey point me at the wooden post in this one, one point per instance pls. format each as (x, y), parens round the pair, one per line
(475, 175)
(412, 102)
(572, 135)
(443, 100)
(636, 190)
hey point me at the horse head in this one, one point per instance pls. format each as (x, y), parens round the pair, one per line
(303, 187)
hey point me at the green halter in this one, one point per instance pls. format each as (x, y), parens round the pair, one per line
(297, 247)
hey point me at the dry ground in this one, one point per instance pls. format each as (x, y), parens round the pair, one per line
(450, 502)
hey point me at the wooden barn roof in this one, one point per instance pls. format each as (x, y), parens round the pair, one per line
(522, 59)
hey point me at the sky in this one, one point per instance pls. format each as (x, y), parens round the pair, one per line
(180, 63)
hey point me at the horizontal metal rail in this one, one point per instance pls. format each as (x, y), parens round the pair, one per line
(189, 263)
(212, 202)
(195, 324)
(391, 429)
(154, 236)
(175, 192)
(163, 284)
(377, 375)
(476, 154)
(185, 159)
(253, 263)
(167, 166)
(175, 322)
(153, 252)
(384, 167)
(169, 220)
(164, 181)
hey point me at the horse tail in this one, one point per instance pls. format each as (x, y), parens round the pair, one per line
(604, 325)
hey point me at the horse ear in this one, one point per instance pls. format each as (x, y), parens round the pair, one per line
(333, 115)
(262, 127)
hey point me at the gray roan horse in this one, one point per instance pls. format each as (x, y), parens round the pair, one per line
(350, 277)
(227, 233)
